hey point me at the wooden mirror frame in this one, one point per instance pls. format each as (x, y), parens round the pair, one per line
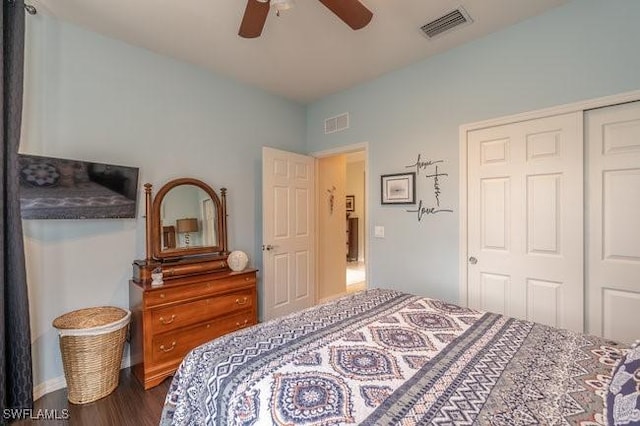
(154, 225)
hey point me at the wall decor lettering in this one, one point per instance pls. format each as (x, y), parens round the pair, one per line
(433, 175)
(422, 164)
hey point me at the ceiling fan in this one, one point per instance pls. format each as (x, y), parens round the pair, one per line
(352, 12)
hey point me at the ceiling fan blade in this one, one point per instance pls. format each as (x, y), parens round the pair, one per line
(255, 15)
(352, 12)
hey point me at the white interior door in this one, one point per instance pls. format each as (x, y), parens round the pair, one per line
(525, 220)
(288, 220)
(613, 244)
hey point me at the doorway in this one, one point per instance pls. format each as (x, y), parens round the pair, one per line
(341, 221)
(356, 274)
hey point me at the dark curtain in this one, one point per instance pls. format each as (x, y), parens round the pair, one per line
(16, 382)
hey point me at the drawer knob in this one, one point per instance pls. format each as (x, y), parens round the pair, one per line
(167, 321)
(243, 324)
(243, 301)
(161, 295)
(247, 279)
(169, 349)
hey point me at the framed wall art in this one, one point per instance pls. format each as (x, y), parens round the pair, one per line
(350, 203)
(398, 188)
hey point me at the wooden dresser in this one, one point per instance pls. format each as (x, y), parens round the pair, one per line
(198, 296)
(171, 319)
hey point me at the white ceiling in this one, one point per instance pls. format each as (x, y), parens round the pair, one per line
(304, 54)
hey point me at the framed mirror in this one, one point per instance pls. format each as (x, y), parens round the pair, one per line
(188, 219)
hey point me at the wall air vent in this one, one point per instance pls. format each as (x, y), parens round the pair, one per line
(455, 19)
(336, 124)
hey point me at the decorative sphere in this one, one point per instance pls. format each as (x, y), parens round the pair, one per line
(237, 260)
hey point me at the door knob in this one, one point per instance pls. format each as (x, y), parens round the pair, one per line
(267, 247)
(473, 260)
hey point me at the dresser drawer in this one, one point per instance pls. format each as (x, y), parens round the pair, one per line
(187, 311)
(176, 344)
(170, 294)
(176, 316)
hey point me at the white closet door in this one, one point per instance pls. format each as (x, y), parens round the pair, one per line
(525, 220)
(613, 244)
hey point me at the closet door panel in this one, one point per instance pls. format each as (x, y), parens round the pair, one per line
(613, 206)
(524, 215)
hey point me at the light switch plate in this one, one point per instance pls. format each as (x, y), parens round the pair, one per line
(379, 231)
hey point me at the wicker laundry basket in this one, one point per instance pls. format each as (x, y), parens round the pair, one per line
(91, 343)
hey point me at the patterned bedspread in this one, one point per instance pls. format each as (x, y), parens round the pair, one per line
(383, 357)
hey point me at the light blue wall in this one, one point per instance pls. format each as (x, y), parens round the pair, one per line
(585, 49)
(93, 98)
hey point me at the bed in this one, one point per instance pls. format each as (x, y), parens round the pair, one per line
(383, 357)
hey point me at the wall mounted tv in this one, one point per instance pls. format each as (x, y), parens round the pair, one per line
(56, 188)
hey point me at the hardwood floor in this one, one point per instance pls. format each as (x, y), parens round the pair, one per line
(129, 404)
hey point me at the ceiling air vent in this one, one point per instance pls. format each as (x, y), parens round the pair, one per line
(336, 124)
(451, 20)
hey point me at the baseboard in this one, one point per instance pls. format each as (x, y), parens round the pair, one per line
(51, 385)
(60, 382)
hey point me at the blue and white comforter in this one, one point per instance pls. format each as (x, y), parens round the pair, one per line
(384, 357)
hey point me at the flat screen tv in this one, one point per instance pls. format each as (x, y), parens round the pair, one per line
(56, 188)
